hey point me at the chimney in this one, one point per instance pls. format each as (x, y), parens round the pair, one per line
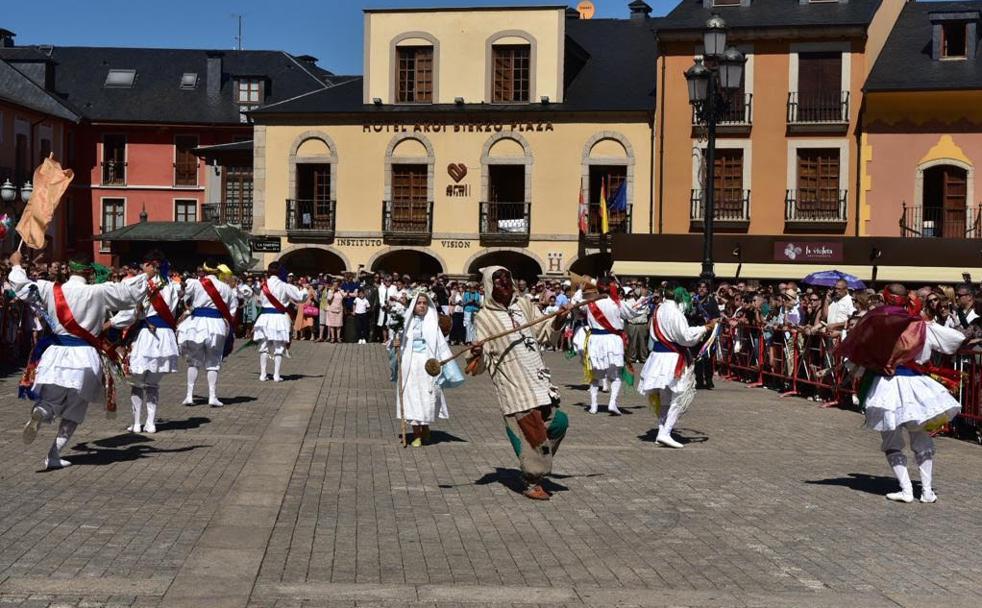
(308, 59)
(213, 77)
(640, 10)
(572, 13)
(7, 38)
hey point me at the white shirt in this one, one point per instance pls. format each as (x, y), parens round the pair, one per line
(282, 291)
(197, 297)
(615, 314)
(840, 310)
(941, 339)
(361, 306)
(88, 303)
(955, 323)
(169, 293)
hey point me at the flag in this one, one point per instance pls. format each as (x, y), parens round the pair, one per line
(604, 227)
(50, 182)
(583, 212)
(618, 201)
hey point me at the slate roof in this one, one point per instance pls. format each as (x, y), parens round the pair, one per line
(610, 66)
(905, 63)
(18, 89)
(691, 15)
(156, 95)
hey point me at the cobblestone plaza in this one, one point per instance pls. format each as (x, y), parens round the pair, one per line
(300, 494)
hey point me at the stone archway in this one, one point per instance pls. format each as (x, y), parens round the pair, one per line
(313, 261)
(413, 262)
(521, 265)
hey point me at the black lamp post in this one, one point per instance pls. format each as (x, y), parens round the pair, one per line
(712, 80)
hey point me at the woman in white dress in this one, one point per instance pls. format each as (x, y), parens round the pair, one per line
(421, 394)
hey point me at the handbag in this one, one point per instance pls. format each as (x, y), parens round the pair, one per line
(310, 310)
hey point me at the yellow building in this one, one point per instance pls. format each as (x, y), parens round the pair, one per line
(468, 141)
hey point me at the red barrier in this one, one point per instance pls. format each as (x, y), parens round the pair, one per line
(798, 363)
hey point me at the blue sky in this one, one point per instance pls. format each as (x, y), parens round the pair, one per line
(331, 30)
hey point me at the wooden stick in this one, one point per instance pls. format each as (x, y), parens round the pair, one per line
(402, 401)
(433, 365)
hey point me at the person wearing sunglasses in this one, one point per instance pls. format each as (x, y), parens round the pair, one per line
(964, 308)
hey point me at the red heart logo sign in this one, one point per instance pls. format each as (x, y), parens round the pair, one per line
(457, 171)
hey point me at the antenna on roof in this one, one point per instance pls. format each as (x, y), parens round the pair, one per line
(238, 38)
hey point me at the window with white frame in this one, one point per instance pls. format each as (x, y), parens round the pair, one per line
(113, 218)
(186, 210)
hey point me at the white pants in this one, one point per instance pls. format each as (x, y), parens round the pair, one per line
(272, 347)
(146, 396)
(60, 402)
(671, 407)
(921, 443)
(200, 355)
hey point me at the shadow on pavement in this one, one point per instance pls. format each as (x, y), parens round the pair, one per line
(512, 479)
(290, 377)
(96, 456)
(683, 436)
(238, 399)
(444, 437)
(182, 425)
(861, 482)
(118, 441)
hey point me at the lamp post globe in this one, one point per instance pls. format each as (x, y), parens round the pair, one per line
(714, 37)
(8, 192)
(25, 191)
(731, 69)
(697, 78)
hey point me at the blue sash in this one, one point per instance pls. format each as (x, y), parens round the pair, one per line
(210, 313)
(600, 332)
(906, 371)
(270, 311)
(658, 347)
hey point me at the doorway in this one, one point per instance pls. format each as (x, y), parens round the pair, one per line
(945, 202)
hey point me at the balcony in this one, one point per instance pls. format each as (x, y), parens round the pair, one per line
(815, 209)
(225, 213)
(505, 222)
(736, 119)
(826, 112)
(935, 222)
(113, 173)
(405, 222)
(731, 209)
(310, 219)
(186, 174)
(617, 222)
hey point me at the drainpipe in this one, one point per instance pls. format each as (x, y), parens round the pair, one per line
(661, 151)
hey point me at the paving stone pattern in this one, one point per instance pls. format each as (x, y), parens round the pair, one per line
(300, 494)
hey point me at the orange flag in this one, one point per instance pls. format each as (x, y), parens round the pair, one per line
(50, 183)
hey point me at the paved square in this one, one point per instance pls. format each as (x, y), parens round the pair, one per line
(300, 494)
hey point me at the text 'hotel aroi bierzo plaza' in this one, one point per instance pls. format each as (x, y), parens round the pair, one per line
(468, 141)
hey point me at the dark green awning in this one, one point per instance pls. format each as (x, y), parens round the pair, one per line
(232, 238)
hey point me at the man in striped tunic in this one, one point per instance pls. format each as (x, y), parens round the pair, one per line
(528, 401)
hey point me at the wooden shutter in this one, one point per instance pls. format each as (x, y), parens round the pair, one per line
(728, 183)
(185, 162)
(818, 182)
(954, 188)
(409, 198)
(819, 86)
(512, 71)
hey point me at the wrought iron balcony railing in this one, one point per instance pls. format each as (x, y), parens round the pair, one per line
(738, 112)
(113, 173)
(312, 217)
(731, 205)
(936, 222)
(815, 205)
(407, 219)
(500, 221)
(617, 222)
(825, 107)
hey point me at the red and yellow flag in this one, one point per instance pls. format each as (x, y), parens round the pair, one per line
(604, 223)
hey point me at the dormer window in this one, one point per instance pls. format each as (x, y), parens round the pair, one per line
(512, 73)
(726, 2)
(953, 40)
(414, 81)
(189, 80)
(249, 92)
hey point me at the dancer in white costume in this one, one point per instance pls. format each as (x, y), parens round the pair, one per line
(421, 394)
(668, 377)
(153, 351)
(604, 344)
(894, 345)
(69, 373)
(202, 336)
(274, 326)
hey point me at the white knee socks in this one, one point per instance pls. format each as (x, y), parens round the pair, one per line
(671, 417)
(213, 387)
(926, 465)
(136, 403)
(898, 462)
(615, 389)
(192, 378)
(277, 363)
(65, 431)
(263, 358)
(594, 390)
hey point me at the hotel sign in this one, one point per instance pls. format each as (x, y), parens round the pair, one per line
(476, 126)
(808, 251)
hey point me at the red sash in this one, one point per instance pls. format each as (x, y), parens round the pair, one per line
(216, 297)
(272, 299)
(67, 320)
(675, 348)
(163, 311)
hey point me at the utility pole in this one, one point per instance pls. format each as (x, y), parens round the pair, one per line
(238, 39)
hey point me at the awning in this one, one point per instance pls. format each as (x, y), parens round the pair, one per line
(174, 237)
(903, 274)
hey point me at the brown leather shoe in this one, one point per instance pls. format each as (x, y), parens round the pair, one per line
(536, 493)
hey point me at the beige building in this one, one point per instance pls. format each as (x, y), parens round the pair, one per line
(468, 141)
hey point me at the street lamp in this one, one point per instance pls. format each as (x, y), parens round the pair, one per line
(25, 192)
(8, 192)
(712, 80)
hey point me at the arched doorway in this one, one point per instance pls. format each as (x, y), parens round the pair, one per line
(415, 263)
(594, 264)
(311, 261)
(944, 203)
(521, 266)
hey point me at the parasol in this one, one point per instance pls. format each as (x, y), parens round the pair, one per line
(828, 278)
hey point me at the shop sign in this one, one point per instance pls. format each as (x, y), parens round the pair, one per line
(265, 244)
(476, 126)
(359, 242)
(808, 252)
(555, 262)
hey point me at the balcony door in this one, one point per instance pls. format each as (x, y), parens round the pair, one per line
(409, 198)
(313, 206)
(237, 196)
(818, 183)
(611, 177)
(728, 184)
(945, 202)
(506, 195)
(819, 87)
